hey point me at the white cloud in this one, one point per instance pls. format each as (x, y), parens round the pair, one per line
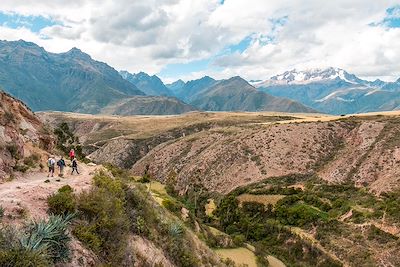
(148, 35)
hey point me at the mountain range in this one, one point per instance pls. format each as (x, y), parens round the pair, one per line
(73, 81)
(334, 91)
(234, 94)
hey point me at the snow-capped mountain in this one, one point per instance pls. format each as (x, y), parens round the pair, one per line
(333, 90)
(310, 76)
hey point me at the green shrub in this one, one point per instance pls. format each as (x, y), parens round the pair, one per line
(9, 117)
(144, 179)
(21, 168)
(1, 212)
(66, 140)
(118, 172)
(32, 160)
(87, 234)
(13, 149)
(103, 224)
(19, 257)
(62, 202)
(172, 205)
(238, 240)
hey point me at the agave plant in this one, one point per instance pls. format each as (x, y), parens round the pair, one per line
(49, 237)
(176, 229)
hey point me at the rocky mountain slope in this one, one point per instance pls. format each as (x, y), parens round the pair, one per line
(150, 85)
(24, 139)
(70, 81)
(175, 86)
(334, 91)
(234, 94)
(237, 94)
(187, 90)
(144, 105)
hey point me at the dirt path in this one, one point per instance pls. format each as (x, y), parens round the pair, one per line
(25, 197)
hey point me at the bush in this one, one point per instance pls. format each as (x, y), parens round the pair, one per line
(238, 240)
(13, 149)
(31, 160)
(9, 117)
(103, 224)
(62, 202)
(172, 205)
(19, 257)
(1, 212)
(144, 180)
(21, 168)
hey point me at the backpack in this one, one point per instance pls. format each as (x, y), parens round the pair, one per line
(49, 162)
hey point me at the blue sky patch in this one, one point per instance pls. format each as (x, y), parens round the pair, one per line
(182, 69)
(242, 45)
(34, 23)
(392, 19)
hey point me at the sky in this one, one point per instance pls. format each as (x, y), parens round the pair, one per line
(187, 39)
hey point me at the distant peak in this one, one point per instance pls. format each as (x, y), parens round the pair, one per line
(207, 78)
(76, 52)
(142, 74)
(236, 78)
(313, 75)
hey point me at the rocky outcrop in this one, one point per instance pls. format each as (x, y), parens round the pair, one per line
(23, 137)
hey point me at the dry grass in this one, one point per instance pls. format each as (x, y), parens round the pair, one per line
(241, 256)
(210, 207)
(147, 126)
(274, 262)
(263, 199)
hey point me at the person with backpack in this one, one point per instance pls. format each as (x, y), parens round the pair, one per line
(74, 166)
(72, 154)
(61, 165)
(50, 163)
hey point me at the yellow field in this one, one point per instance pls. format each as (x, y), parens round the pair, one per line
(238, 255)
(244, 256)
(263, 199)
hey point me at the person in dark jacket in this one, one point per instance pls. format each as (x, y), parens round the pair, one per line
(61, 165)
(74, 166)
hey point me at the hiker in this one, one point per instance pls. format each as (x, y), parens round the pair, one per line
(74, 166)
(72, 154)
(50, 163)
(61, 165)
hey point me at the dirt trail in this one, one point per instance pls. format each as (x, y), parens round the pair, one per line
(25, 197)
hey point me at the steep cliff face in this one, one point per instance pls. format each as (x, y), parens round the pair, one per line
(23, 137)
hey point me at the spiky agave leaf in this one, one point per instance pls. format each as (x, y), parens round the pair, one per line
(49, 237)
(176, 229)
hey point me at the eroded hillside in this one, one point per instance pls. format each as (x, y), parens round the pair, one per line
(365, 151)
(226, 150)
(310, 190)
(23, 137)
